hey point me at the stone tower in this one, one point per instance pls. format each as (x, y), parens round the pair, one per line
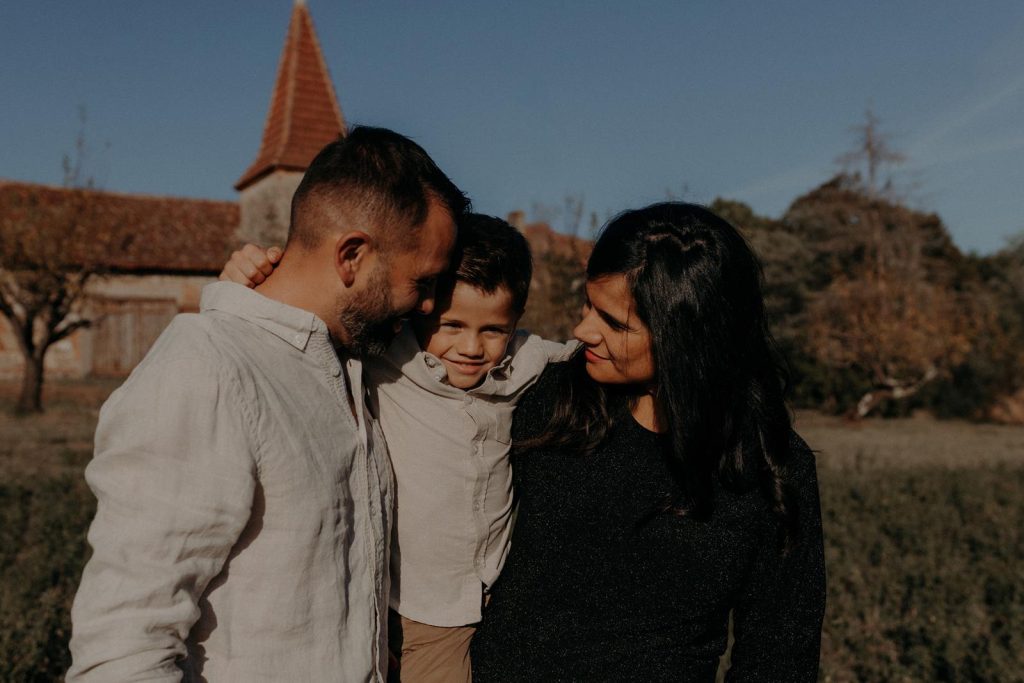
(304, 116)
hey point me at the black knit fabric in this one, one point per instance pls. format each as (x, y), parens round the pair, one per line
(591, 592)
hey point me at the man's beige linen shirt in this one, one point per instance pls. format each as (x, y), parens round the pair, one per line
(243, 521)
(450, 450)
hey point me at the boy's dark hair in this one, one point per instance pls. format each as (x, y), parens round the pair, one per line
(376, 177)
(490, 254)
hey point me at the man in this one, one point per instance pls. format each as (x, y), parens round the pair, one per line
(244, 497)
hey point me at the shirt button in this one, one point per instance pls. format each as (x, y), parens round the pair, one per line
(467, 399)
(298, 339)
(431, 363)
(336, 370)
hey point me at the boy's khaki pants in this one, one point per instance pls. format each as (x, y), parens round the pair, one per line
(429, 654)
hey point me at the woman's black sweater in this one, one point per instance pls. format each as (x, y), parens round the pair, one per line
(591, 592)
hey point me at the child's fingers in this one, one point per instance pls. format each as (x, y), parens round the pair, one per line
(233, 273)
(251, 265)
(253, 259)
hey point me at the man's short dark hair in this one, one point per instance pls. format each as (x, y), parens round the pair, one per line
(490, 254)
(373, 175)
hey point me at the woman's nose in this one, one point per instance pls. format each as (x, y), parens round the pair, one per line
(585, 332)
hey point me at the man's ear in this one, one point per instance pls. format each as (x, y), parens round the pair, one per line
(352, 252)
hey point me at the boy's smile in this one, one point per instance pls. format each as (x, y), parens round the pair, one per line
(469, 332)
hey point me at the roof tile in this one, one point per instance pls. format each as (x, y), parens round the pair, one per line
(123, 232)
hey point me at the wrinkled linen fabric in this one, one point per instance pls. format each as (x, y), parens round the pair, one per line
(244, 508)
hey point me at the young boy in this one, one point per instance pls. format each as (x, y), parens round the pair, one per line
(444, 393)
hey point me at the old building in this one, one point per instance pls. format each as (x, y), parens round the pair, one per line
(158, 252)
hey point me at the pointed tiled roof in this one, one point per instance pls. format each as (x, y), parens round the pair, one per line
(304, 113)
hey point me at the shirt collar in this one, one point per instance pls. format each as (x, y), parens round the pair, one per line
(427, 370)
(501, 370)
(293, 325)
(437, 368)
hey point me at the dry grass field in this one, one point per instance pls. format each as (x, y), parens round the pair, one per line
(910, 443)
(56, 442)
(922, 518)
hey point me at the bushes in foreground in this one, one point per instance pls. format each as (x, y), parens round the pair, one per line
(924, 566)
(42, 549)
(925, 578)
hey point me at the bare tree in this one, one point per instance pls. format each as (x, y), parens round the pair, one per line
(45, 265)
(559, 258)
(568, 218)
(887, 317)
(872, 153)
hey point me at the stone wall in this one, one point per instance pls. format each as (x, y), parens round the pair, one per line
(265, 209)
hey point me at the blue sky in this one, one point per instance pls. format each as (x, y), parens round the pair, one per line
(526, 102)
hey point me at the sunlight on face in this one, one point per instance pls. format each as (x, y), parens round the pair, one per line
(617, 344)
(469, 332)
(413, 273)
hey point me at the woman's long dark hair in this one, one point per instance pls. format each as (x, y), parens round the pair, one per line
(719, 382)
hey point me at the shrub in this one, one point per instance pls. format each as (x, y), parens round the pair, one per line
(42, 550)
(923, 568)
(924, 575)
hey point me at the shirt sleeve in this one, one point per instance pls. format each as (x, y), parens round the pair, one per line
(560, 351)
(174, 478)
(777, 621)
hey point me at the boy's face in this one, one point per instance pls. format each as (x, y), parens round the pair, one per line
(468, 332)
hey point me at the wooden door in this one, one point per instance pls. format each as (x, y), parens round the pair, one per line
(124, 332)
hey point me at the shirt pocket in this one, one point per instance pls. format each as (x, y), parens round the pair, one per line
(503, 424)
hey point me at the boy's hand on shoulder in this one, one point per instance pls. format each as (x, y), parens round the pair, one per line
(251, 265)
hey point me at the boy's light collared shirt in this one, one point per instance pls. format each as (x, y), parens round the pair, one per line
(243, 519)
(450, 451)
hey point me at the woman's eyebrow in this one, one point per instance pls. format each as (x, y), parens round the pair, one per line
(609, 318)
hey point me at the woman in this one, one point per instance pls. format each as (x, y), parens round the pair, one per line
(660, 485)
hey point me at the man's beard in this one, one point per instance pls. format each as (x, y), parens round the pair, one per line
(369, 321)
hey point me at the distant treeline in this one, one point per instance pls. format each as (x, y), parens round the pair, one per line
(875, 310)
